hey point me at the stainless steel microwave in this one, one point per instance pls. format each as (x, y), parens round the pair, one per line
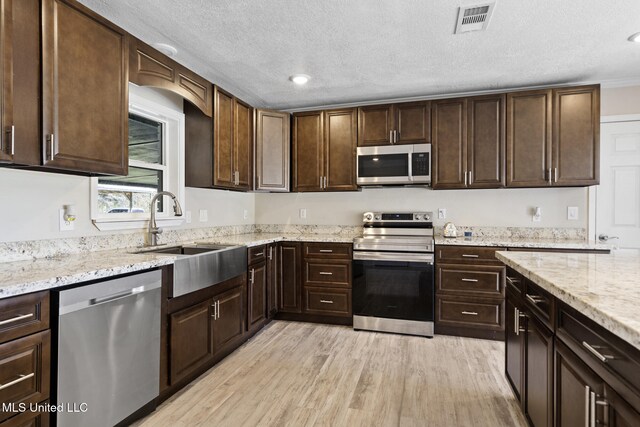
(394, 165)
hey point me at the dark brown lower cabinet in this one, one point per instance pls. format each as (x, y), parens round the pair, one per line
(272, 279)
(538, 397)
(228, 325)
(290, 298)
(515, 345)
(257, 296)
(191, 336)
(618, 412)
(28, 419)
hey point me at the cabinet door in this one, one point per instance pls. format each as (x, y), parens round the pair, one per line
(620, 413)
(29, 419)
(308, 151)
(272, 280)
(413, 122)
(223, 138)
(538, 396)
(528, 138)
(340, 150)
(375, 125)
(85, 90)
(576, 136)
(229, 323)
(243, 144)
(449, 144)
(6, 80)
(190, 345)
(290, 281)
(257, 295)
(574, 384)
(514, 348)
(272, 150)
(486, 144)
(198, 147)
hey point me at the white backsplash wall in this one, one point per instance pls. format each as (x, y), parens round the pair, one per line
(500, 208)
(29, 204)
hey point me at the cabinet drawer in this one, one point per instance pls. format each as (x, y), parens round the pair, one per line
(465, 279)
(602, 350)
(328, 250)
(23, 315)
(321, 273)
(327, 301)
(467, 255)
(470, 312)
(514, 281)
(256, 254)
(541, 303)
(24, 370)
(28, 419)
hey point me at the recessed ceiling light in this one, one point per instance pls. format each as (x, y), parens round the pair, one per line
(299, 79)
(635, 38)
(167, 49)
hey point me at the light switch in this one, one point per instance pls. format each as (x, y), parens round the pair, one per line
(572, 213)
(245, 214)
(303, 213)
(187, 216)
(442, 213)
(204, 215)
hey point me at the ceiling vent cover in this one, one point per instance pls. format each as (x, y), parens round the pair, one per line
(474, 18)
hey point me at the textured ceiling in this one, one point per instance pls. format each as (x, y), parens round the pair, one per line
(363, 50)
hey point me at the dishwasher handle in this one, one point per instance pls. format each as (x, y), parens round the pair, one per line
(117, 296)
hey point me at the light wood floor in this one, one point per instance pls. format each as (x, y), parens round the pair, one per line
(303, 374)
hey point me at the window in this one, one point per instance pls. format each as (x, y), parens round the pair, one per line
(156, 158)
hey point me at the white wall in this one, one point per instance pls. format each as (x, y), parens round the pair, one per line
(616, 101)
(505, 207)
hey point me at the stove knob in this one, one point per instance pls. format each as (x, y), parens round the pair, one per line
(378, 217)
(368, 217)
(418, 217)
(427, 218)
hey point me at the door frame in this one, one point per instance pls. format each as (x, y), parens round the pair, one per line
(592, 192)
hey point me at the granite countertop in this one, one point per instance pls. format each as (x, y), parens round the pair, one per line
(520, 242)
(603, 287)
(22, 277)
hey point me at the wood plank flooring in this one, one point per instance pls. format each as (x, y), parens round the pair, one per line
(303, 374)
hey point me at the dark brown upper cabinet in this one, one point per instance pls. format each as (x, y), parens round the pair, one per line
(324, 150)
(553, 137)
(20, 82)
(85, 73)
(272, 150)
(449, 144)
(149, 67)
(407, 123)
(242, 144)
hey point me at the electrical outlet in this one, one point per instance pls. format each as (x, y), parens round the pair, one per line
(65, 225)
(204, 215)
(442, 213)
(303, 213)
(245, 214)
(572, 213)
(187, 216)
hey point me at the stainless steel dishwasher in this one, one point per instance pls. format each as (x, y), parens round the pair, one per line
(108, 349)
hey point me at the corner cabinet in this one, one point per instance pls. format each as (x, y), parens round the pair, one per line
(324, 150)
(85, 75)
(553, 137)
(272, 151)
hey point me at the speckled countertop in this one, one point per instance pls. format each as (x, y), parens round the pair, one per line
(603, 287)
(22, 277)
(520, 242)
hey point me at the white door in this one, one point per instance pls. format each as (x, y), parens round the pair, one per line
(618, 195)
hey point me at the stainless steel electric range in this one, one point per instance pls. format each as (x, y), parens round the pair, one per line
(393, 274)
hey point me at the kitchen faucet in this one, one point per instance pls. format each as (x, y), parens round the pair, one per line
(154, 230)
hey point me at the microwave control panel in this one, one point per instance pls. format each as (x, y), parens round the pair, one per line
(420, 164)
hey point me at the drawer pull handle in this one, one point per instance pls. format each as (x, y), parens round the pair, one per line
(326, 273)
(16, 319)
(470, 256)
(513, 280)
(326, 301)
(326, 251)
(259, 254)
(17, 380)
(592, 349)
(535, 299)
(469, 280)
(470, 313)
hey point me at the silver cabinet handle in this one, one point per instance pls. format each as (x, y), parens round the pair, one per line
(326, 273)
(395, 136)
(252, 277)
(469, 280)
(11, 149)
(270, 253)
(465, 178)
(516, 321)
(469, 177)
(326, 251)
(555, 174)
(51, 140)
(218, 309)
(470, 313)
(326, 182)
(470, 256)
(326, 301)
(550, 176)
(16, 319)
(592, 349)
(320, 182)
(535, 299)
(587, 401)
(259, 254)
(592, 409)
(215, 311)
(17, 380)
(391, 137)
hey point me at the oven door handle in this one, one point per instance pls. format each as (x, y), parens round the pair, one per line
(393, 256)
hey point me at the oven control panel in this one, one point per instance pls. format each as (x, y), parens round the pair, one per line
(395, 217)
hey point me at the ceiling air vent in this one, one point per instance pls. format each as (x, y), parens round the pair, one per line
(474, 18)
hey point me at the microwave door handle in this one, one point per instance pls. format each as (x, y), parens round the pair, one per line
(410, 174)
